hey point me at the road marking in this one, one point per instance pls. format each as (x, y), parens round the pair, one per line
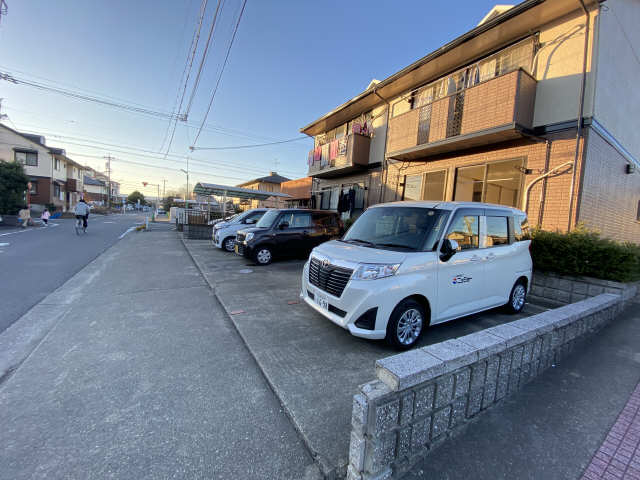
(108, 222)
(13, 233)
(128, 230)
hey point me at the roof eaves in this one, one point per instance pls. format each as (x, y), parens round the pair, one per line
(497, 20)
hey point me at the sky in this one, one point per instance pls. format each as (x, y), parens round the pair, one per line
(291, 62)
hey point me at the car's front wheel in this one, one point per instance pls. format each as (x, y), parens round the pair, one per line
(406, 324)
(263, 255)
(517, 298)
(229, 244)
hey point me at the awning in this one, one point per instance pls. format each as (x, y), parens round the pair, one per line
(235, 192)
(503, 133)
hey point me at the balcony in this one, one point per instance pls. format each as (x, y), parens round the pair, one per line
(493, 111)
(350, 155)
(72, 185)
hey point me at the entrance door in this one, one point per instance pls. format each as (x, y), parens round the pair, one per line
(462, 279)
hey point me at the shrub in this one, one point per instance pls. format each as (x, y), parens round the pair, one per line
(13, 183)
(584, 253)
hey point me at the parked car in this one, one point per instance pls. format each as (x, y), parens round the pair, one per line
(224, 232)
(287, 232)
(161, 211)
(404, 266)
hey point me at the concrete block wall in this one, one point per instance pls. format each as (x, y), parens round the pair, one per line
(423, 396)
(561, 290)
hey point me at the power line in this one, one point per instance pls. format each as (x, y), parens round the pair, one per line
(67, 93)
(203, 60)
(237, 147)
(190, 58)
(226, 58)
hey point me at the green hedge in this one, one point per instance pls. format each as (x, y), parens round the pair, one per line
(584, 253)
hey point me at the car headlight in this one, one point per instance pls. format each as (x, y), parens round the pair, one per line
(248, 237)
(373, 271)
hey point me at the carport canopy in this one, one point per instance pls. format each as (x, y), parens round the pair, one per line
(235, 192)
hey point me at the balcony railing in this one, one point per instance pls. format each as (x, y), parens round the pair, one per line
(340, 156)
(492, 111)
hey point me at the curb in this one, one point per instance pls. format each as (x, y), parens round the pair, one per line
(328, 471)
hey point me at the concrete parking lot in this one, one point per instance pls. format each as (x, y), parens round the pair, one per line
(313, 366)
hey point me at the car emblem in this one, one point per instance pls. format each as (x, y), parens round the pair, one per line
(325, 263)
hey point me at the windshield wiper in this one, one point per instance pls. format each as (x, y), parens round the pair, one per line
(394, 245)
(366, 242)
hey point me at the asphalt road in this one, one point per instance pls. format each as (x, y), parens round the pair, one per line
(37, 260)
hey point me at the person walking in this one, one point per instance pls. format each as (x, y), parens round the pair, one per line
(45, 217)
(25, 216)
(82, 212)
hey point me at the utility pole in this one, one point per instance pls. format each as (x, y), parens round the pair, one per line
(108, 158)
(164, 188)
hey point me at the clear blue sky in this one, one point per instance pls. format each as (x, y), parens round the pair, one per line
(292, 61)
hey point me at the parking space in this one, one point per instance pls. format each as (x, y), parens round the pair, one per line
(313, 365)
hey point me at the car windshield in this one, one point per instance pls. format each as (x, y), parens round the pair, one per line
(237, 217)
(268, 218)
(398, 228)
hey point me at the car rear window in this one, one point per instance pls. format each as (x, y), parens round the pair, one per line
(497, 231)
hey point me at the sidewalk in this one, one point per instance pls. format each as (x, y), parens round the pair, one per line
(568, 420)
(142, 376)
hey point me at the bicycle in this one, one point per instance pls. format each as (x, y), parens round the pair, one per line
(79, 225)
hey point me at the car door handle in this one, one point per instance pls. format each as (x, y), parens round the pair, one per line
(491, 256)
(475, 258)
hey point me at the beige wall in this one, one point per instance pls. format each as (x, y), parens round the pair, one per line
(617, 97)
(610, 197)
(9, 141)
(558, 69)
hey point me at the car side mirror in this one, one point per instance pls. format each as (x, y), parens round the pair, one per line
(283, 225)
(448, 249)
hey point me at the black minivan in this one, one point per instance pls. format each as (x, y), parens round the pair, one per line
(287, 232)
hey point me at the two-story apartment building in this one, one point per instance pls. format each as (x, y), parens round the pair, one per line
(75, 183)
(533, 108)
(45, 166)
(270, 183)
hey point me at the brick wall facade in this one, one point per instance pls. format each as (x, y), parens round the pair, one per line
(610, 197)
(548, 199)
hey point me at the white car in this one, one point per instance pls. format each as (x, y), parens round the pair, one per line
(403, 266)
(224, 233)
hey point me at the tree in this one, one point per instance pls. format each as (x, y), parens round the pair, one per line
(13, 183)
(135, 196)
(167, 201)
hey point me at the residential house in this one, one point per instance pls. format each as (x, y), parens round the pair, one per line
(75, 183)
(95, 191)
(45, 166)
(270, 183)
(532, 109)
(299, 191)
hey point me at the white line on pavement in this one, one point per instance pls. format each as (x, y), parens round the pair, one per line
(128, 230)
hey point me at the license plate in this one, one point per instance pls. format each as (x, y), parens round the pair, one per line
(235, 247)
(322, 301)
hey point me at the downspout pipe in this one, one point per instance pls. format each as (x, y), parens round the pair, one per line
(580, 112)
(525, 199)
(383, 173)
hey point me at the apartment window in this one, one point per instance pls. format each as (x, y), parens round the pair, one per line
(498, 183)
(412, 187)
(57, 164)
(464, 230)
(497, 231)
(26, 158)
(34, 187)
(56, 190)
(325, 199)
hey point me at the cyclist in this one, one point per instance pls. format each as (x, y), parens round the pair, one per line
(82, 212)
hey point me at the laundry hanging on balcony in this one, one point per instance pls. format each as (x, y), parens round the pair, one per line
(324, 160)
(333, 149)
(317, 154)
(310, 158)
(342, 146)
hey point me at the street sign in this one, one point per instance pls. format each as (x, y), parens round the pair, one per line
(145, 183)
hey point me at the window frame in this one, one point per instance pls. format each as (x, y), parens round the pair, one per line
(26, 157)
(486, 165)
